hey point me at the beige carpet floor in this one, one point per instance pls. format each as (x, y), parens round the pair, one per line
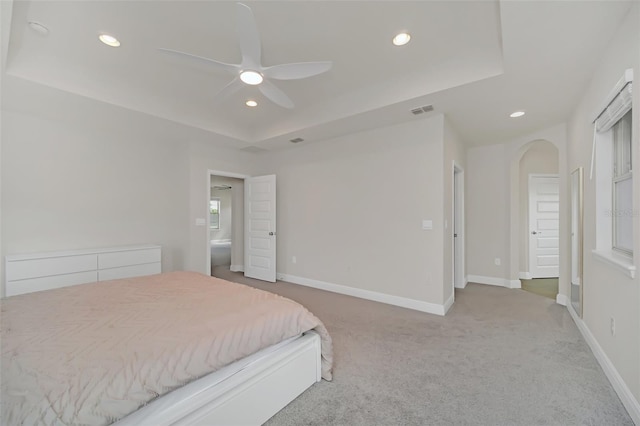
(499, 357)
(547, 287)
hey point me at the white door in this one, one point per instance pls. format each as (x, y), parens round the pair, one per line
(544, 220)
(260, 228)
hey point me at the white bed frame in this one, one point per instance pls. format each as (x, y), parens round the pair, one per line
(249, 396)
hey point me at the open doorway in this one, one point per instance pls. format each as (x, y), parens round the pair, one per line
(539, 209)
(225, 222)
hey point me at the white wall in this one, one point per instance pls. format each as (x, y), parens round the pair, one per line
(487, 211)
(541, 158)
(609, 293)
(78, 174)
(352, 209)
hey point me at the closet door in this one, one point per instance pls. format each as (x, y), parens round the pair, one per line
(260, 228)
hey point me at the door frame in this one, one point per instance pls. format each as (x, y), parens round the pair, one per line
(531, 176)
(457, 212)
(207, 216)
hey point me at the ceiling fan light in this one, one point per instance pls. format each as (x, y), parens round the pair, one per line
(251, 103)
(401, 39)
(109, 40)
(252, 78)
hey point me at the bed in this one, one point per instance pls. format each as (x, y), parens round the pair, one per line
(172, 348)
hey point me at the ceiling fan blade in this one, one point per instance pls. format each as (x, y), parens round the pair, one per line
(296, 71)
(249, 37)
(276, 95)
(222, 66)
(234, 86)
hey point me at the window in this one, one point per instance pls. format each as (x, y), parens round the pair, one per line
(622, 186)
(214, 213)
(612, 152)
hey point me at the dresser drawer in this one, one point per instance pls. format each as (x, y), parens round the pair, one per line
(129, 271)
(118, 259)
(47, 266)
(47, 283)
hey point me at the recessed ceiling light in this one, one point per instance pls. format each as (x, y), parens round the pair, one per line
(39, 28)
(251, 77)
(401, 39)
(109, 40)
(516, 114)
(251, 103)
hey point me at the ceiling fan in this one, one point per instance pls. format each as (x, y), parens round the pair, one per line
(250, 71)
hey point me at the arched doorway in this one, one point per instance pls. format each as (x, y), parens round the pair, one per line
(541, 157)
(539, 219)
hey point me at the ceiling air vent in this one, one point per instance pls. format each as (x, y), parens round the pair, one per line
(422, 109)
(296, 140)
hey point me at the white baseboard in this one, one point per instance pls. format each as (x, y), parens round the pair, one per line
(525, 276)
(449, 303)
(227, 241)
(514, 283)
(501, 282)
(418, 305)
(236, 268)
(463, 285)
(561, 299)
(624, 393)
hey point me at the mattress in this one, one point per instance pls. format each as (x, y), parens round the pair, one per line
(94, 353)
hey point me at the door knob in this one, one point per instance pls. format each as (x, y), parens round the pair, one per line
(271, 233)
(534, 232)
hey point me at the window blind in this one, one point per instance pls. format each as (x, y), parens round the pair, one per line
(617, 104)
(618, 107)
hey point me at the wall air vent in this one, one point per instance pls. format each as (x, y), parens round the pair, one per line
(422, 109)
(296, 140)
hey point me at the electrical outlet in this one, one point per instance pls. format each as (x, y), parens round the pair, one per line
(294, 260)
(613, 326)
(497, 261)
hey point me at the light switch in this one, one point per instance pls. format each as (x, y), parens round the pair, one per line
(427, 224)
(200, 221)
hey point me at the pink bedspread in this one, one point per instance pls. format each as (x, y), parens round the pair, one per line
(93, 353)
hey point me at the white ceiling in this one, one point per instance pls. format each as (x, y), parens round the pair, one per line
(475, 61)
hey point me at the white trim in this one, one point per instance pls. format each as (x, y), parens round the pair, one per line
(525, 276)
(624, 393)
(449, 303)
(214, 242)
(465, 281)
(418, 305)
(561, 299)
(458, 204)
(618, 261)
(514, 284)
(501, 282)
(236, 268)
(464, 284)
(479, 279)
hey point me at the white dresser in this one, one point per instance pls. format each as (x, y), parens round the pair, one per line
(43, 271)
